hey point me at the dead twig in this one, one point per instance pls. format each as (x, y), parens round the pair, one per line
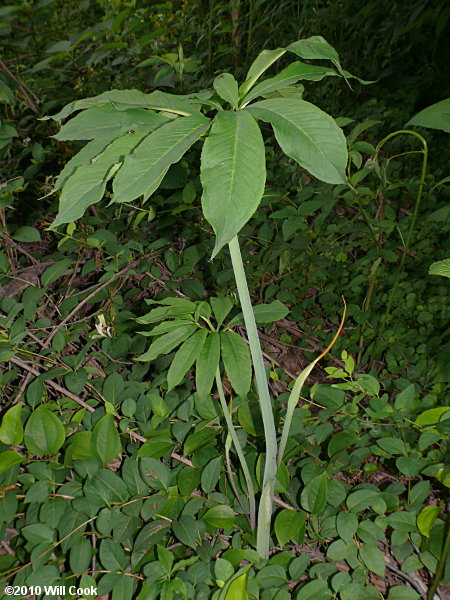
(14, 244)
(53, 384)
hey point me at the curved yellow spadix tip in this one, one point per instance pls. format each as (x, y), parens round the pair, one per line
(337, 334)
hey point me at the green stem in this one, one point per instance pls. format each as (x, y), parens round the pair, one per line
(366, 304)
(211, 5)
(249, 30)
(270, 468)
(228, 443)
(239, 451)
(409, 239)
(441, 565)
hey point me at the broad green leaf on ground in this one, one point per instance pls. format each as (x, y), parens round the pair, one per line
(207, 363)
(432, 415)
(220, 516)
(80, 445)
(223, 569)
(81, 555)
(158, 443)
(315, 590)
(440, 267)
(26, 234)
(167, 342)
(144, 169)
(262, 62)
(189, 531)
(44, 432)
(105, 442)
(361, 499)
(287, 524)
(392, 445)
(126, 99)
(123, 588)
(112, 556)
(237, 589)
(11, 429)
(294, 72)
(199, 439)
(105, 121)
(402, 592)
(341, 441)
(149, 535)
(233, 174)
(38, 532)
(227, 88)
(436, 116)
(426, 519)
(211, 473)
(314, 495)
(7, 132)
(249, 416)
(8, 459)
(185, 357)
(373, 558)
(236, 358)
(165, 558)
(347, 525)
(88, 183)
(55, 271)
(156, 474)
(306, 134)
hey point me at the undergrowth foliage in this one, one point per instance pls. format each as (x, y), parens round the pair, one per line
(150, 446)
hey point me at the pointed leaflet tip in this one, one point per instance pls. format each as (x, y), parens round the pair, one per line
(233, 174)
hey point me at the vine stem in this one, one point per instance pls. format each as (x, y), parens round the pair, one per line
(270, 467)
(409, 239)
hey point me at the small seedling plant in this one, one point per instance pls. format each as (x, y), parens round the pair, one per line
(134, 138)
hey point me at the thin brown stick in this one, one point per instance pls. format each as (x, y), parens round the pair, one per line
(274, 360)
(11, 242)
(78, 400)
(415, 582)
(23, 385)
(22, 89)
(282, 503)
(8, 550)
(53, 384)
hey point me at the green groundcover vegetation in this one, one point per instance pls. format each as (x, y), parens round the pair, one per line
(162, 166)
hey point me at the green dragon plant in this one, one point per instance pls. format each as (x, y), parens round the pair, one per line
(133, 139)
